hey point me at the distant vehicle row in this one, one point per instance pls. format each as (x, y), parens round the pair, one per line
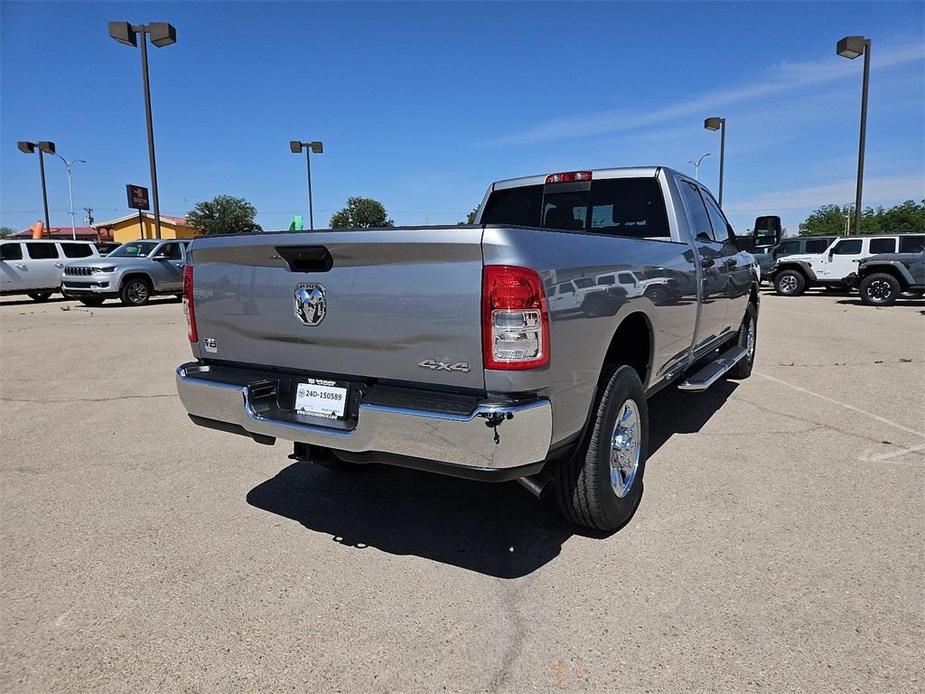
(836, 265)
(133, 272)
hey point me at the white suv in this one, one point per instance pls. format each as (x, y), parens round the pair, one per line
(34, 267)
(837, 265)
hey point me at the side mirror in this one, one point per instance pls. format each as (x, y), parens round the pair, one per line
(767, 232)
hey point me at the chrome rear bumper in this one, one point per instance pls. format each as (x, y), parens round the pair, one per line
(523, 431)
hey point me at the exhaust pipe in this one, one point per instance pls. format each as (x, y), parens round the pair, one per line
(534, 484)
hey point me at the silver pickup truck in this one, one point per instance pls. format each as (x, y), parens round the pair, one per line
(508, 349)
(133, 273)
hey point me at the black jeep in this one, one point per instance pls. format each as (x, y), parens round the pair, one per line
(881, 279)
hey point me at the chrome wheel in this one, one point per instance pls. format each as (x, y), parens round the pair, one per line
(879, 290)
(788, 284)
(750, 339)
(137, 292)
(625, 449)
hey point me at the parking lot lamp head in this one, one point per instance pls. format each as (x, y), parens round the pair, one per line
(716, 123)
(295, 146)
(852, 47)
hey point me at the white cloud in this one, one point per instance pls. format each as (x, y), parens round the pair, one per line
(877, 190)
(783, 77)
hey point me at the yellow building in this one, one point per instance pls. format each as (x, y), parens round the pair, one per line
(141, 226)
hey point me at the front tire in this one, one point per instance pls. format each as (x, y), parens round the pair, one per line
(135, 292)
(39, 297)
(879, 289)
(790, 283)
(601, 485)
(748, 339)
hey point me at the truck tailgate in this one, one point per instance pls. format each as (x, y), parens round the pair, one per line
(393, 299)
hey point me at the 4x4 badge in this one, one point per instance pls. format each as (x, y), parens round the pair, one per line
(462, 366)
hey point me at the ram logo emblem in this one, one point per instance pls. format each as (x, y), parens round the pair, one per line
(309, 303)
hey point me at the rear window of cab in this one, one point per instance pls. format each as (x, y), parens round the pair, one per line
(632, 207)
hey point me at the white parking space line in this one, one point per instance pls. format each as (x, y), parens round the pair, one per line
(843, 404)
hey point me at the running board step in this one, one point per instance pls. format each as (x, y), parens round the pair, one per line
(713, 371)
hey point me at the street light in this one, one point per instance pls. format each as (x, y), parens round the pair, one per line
(296, 146)
(44, 148)
(717, 123)
(697, 165)
(162, 34)
(70, 191)
(852, 47)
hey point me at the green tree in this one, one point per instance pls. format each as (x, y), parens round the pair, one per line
(6, 231)
(826, 220)
(224, 214)
(470, 218)
(361, 213)
(830, 219)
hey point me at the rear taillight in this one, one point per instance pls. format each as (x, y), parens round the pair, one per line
(515, 318)
(188, 307)
(568, 177)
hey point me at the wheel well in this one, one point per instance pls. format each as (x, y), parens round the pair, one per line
(885, 270)
(632, 345)
(136, 276)
(791, 266)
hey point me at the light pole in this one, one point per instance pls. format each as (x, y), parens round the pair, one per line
(70, 191)
(316, 147)
(697, 165)
(44, 147)
(162, 34)
(851, 47)
(717, 123)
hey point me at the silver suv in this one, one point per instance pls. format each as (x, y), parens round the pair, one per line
(134, 272)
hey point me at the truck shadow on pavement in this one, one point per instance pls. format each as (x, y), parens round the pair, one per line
(499, 530)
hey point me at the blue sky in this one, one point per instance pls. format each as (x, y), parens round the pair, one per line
(422, 105)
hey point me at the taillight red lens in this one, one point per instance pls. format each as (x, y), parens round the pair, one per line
(568, 177)
(188, 307)
(515, 318)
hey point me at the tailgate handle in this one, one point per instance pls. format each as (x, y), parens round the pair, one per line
(306, 258)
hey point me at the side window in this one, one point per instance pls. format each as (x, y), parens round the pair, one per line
(42, 251)
(566, 288)
(816, 245)
(606, 280)
(584, 282)
(551, 291)
(626, 278)
(10, 251)
(847, 247)
(629, 207)
(882, 246)
(520, 206)
(76, 250)
(722, 232)
(701, 229)
(911, 244)
(792, 248)
(171, 250)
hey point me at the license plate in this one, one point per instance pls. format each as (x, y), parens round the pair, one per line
(321, 399)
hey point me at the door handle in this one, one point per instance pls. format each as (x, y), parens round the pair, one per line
(59, 264)
(21, 267)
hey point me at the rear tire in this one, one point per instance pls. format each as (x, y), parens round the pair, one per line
(601, 485)
(879, 289)
(39, 297)
(749, 341)
(135, 292)
(91, 300)
(790, 283)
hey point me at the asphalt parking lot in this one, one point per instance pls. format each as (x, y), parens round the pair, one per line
(778, 546)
